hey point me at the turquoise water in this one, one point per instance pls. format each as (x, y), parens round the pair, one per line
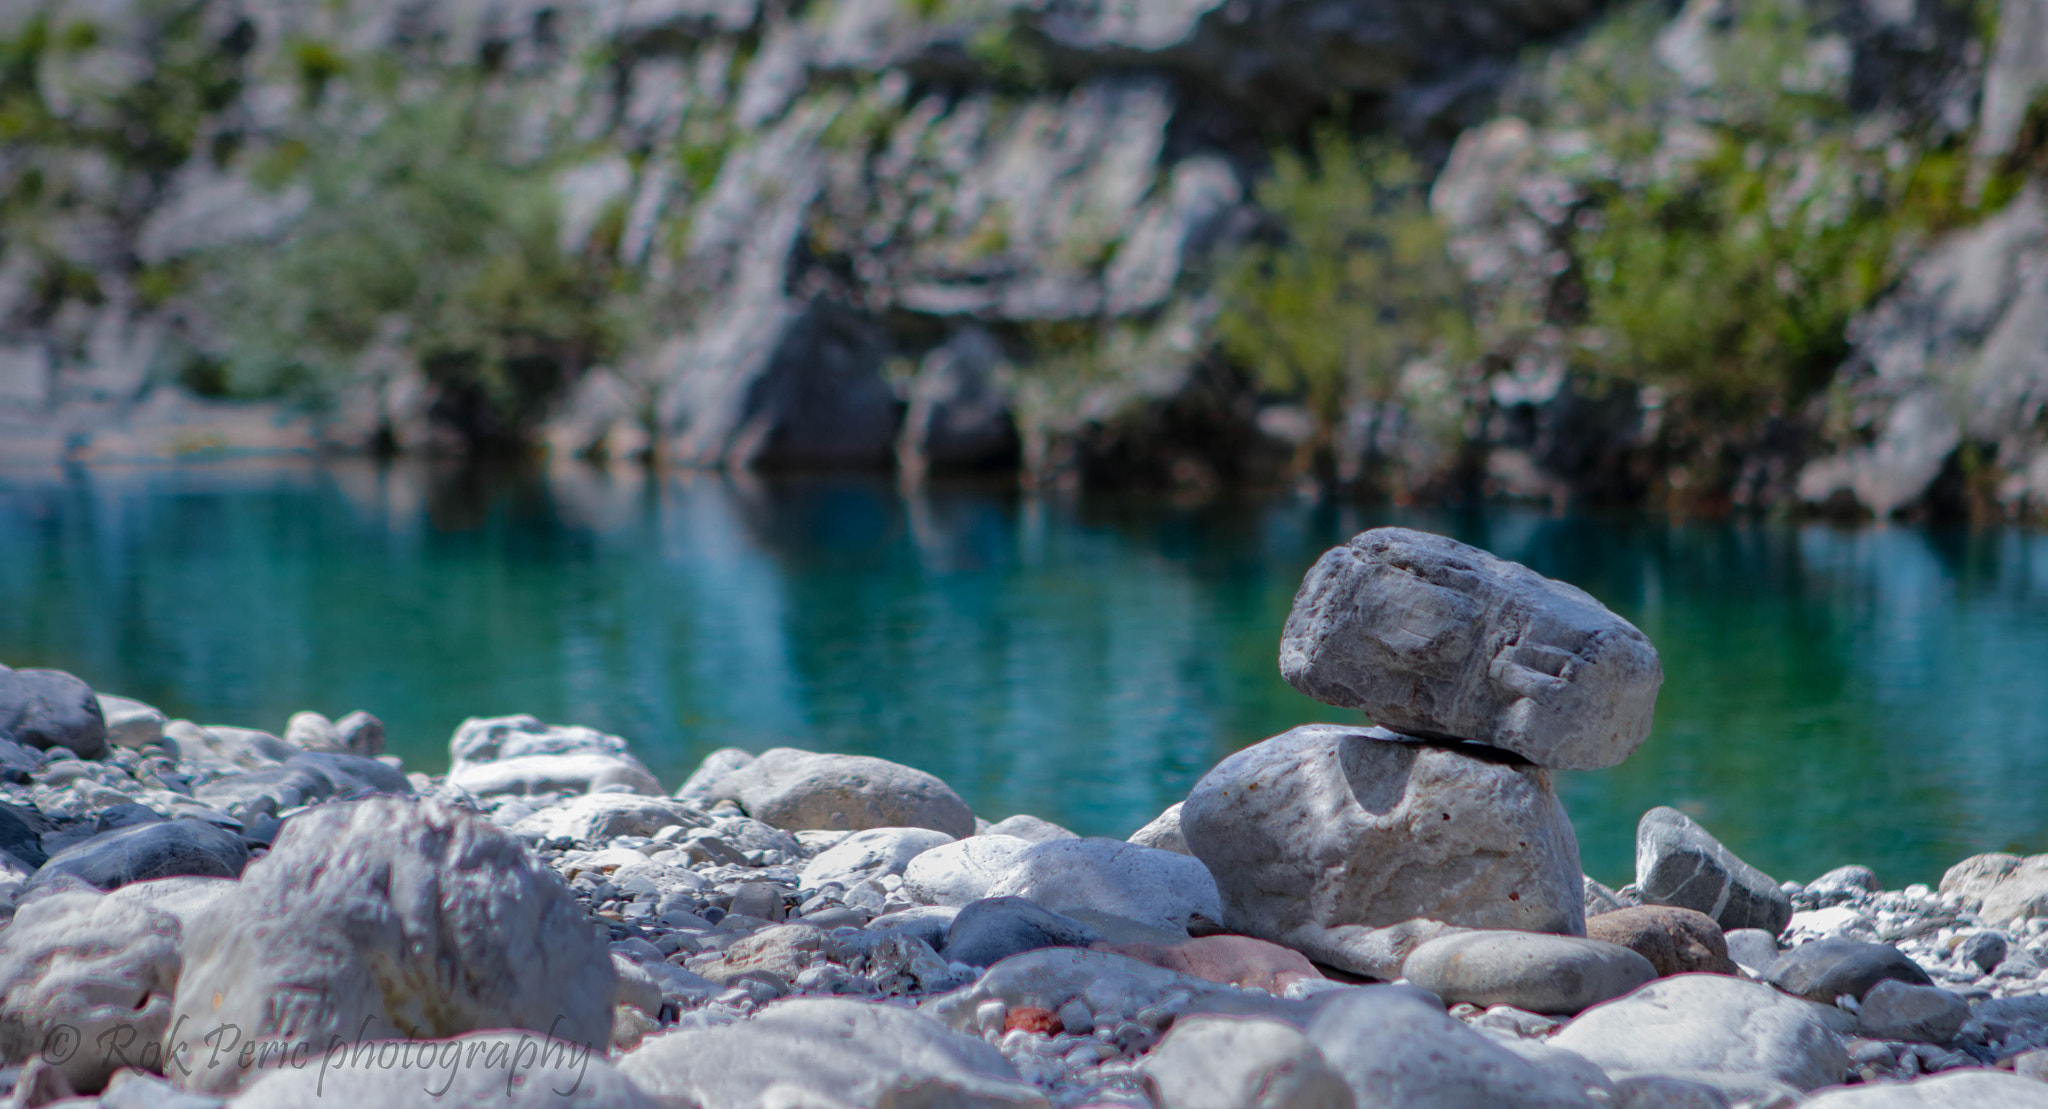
(1874, 695)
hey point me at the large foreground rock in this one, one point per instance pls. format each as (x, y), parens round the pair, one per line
(1397, 1051)
(1679, 863)
(1321, 835)
(1434, 638)
(506, 1069)
(796, 790)
(387, 919)
(80, 974)
(49, 708)
(1710, 1023)
(831, 1052)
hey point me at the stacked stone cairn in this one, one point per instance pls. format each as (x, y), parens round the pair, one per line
(195, 916)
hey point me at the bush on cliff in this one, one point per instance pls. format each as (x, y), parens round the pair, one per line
(1351, 285)
(420, 236)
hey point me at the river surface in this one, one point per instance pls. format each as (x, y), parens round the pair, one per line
(1875, 695)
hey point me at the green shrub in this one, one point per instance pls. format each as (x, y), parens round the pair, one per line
(418, 232)
(1358, 287)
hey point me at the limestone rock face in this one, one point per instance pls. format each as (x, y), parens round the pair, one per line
(795, 790)
(390, 918)
(1436, 639)
(98, 965)
(1321, 835)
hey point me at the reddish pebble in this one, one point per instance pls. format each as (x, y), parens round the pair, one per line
(1042, 1021)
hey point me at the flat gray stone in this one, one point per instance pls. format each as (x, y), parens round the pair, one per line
(1679, 863)
(1164, 832)
(1399, 1052)
(1528, 970)
(1323, 836)
(1026, 826)
(1710, 1023)
(167, 849)
(991, 930)
(1961, 1089)
(872, 854)
(1826, 969)
(794, 790)
(1898, 1011)
(828, 1051)
(131, 723)
(1434, 638)
(963, 871)
(1158, 888)
(1219, 1062)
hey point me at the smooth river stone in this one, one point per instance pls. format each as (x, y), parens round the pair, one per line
(1434, 638)
(1162, 889)
(816, 1051)
(168, 849)
(1528, 970)
(1322, 836)
(1679, 863)
(49, 708)
(1214, 1062)
(390, 918)
(1897, 1011)
(1397, 1051)
(1694, 1024)
(873, 854)
(993, 929)
(1964, 1089)
(1675, 940)
(1826, 969)
(796, 790)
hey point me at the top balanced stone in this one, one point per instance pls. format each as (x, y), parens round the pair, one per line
(1439, 640)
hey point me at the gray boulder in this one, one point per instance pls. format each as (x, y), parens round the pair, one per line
(1216, 1062)
(1826, 969)
(1321, 836)
(131, 723)
(1436, 639)
(795, 790)
(716, 765)
(872, 854)
(1026, 826)
(49, 708)
(142, 852)
(391, 918)
(79, 970)
(1158, 888)
(991, 930)
(521, 755)
(1963, 1089)
(595, 817)
(2004, 888)
(304, 778)
(228, 749)
(963, 871)
(830, 1051)
(1397, 1051)
(1899, 1011)
(1164, 833)
(486, 1068)
(1528, 970)
(1679, 863)
(1691, 1024)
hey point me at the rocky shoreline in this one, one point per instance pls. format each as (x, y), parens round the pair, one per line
(200, 915)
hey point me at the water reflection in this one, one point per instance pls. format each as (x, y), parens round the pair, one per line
(1867, 695)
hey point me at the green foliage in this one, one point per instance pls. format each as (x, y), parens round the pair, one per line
(1008, 57)
(420, 234)
(1359, 287)
(1723, 252)
(316, 64)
